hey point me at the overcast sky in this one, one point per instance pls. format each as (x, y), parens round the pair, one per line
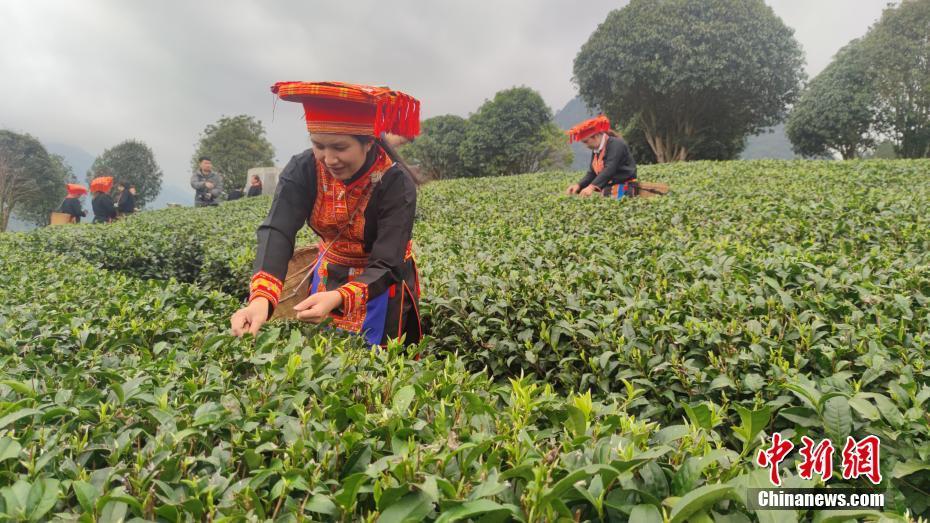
(93, 73)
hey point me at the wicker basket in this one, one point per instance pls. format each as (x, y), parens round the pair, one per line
(651, 189)
(295, 289)
(60, 218)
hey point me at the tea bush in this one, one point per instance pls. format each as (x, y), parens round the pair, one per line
(125, 399)
(595, 359)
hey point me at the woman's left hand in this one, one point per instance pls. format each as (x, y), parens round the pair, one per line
(317, 307)
(589, 190)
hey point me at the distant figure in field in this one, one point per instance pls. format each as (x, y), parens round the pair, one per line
(612, 164)
(207, 183)
(126, 201)
(72, 203)
(104, 210)
(255, 188)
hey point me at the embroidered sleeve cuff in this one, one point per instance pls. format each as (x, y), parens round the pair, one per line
(266, 286)
(354, 296)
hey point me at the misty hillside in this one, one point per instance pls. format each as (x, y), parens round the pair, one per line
(79, 159)
(575, 111)
(769, 145)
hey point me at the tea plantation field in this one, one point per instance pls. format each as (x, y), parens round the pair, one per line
(588, 360)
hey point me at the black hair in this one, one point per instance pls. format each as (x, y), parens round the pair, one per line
(202, 158)
(414, 174)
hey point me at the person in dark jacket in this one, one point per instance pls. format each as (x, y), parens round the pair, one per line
(255, 188)
(104, 209)
(126, 201)
(355, 193)
(612, 165)
(72, 204)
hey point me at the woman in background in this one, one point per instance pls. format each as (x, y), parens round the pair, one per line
(126, 201)
(255, 188)
(72, 203)
(104, 209)
(612, 165)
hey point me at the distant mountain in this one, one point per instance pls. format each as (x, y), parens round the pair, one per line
(79, 159)
(172, 194)
(575, 111)
(772, 143)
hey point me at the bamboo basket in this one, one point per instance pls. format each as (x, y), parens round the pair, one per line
(60, 218)
(651, 189)
(296, 290)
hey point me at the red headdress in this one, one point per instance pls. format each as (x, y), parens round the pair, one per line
(598, 124)
(101, 184)
(75, 190)
(340, 108)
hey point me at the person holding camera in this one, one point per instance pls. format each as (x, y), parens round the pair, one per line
(207, 183)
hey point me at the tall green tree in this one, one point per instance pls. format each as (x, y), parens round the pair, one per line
(32, 183)
(697, 75)
(234, 145)
(838, 109)
(633, 134)
(130, 162)
(436, 150)
(898, 51)
(884, 150)
(513, 133)
(52, 194)
(554, 152)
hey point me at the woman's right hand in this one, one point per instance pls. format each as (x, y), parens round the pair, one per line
(573, 189)
(250, 318)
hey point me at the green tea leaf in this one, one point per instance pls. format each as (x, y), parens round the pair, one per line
(906, 468)
(837, 418)
(471, 509)
(42, 497)
(411, 508)
(16, 416)
(322, 505)
(864, 408)
(86, 494)
(700, 415)
(700, 500)
(9, 448)
(646, 514)
(403, 398)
